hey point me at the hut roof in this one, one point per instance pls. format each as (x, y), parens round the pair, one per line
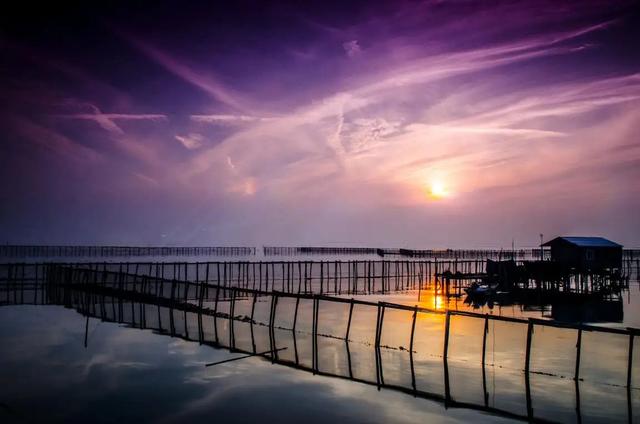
(585, 242)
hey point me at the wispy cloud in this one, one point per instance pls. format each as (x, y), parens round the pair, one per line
(226, 118)
(192, 141)
(205, 81)
(107, 120)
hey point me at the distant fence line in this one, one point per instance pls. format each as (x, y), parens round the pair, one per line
(415, 253)
(29, 251)
(310, 250)
(17, 251)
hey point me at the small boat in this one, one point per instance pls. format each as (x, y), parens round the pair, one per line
(476, 289)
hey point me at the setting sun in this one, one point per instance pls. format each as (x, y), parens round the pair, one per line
(437, 190)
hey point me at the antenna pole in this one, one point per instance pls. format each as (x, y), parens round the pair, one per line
(541, 251)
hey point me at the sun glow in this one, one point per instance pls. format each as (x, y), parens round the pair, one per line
(438, 190)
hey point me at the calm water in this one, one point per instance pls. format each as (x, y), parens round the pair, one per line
(132, 374)
(110, 359)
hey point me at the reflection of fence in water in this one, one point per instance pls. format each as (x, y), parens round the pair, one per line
(400, 349)
(409, 346)
(325, 349)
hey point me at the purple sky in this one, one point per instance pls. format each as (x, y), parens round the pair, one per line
(419, 124)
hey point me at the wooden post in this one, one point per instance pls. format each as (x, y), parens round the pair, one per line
(630, 363)
(272, 342)
(527, 384)
(528, 352)
(348, 277)
(354, 285)
(447, 324)
(313, 334)
(215, 305)
(305, 276)
(413, 329)
(484, 339)
(272, 310)
(379, 324)
(420, 287)
(447, 388)
(578, 348)
(346, 337)
(321, 276)
(340, 279)
(295, 314)
(273, 330)
(368, 276)
(295, 347)
(299, 276)
(349, 359)
(231, 319)
(266, 277)
(253, 306)
(578, 410)
(316, 336)
(484, 356)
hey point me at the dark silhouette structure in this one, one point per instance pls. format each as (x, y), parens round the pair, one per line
(585, 253)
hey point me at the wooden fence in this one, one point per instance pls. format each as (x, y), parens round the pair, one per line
(92, 296)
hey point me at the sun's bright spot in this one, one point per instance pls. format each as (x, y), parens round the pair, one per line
(439, 302)
(438, 190)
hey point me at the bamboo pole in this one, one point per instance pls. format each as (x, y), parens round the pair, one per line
(528, 351)
(447, 388)
(413, 330)
(630, 362)
(578, 349)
